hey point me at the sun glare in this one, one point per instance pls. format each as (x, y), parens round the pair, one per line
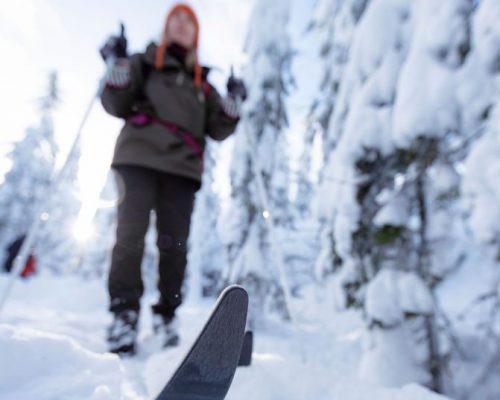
(83, 231)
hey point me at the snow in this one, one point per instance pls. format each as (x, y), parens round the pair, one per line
(390, 360)
(391, 357)
(52, 346)
(487, 34)
(41, 365)
(382, 299)
(481, 182)
(392, 293)
(443, 177)
(473, 280)
(425, 105)
(394, 212)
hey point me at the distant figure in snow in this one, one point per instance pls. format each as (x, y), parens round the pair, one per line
(12, 252)
(168, 106)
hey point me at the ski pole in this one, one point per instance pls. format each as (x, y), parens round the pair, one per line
(273, 234)
(276, 247)
(268, 215)
(24, 251)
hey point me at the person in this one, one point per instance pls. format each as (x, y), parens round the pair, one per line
(29, 268)
(169, 107)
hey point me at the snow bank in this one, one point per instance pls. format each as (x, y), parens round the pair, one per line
(292, 380)
(35, 364)
(39, 365)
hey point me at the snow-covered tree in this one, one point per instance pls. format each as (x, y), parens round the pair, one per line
(26, 183)
(56, 244)
(334, 22)
(481, 318)
(416, 88)
(29, 191)
(260, 151)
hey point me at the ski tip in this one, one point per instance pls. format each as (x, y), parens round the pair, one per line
(232, 288)
(235, 290)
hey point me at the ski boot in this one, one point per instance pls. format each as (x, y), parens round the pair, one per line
(122, 333)
(166, 328)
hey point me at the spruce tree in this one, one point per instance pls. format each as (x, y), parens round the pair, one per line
(259, 150)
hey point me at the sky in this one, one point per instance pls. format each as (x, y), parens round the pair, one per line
(39, 36)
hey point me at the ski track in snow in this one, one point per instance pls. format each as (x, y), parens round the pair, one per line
(52, 336)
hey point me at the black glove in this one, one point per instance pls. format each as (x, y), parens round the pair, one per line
(115, 46)
(236, 87)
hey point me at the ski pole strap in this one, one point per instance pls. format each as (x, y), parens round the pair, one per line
(142, 119)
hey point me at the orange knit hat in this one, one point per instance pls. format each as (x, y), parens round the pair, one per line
(160, 53)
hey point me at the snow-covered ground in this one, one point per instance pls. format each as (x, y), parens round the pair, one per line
(52, 347)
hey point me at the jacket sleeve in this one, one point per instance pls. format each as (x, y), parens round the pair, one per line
(119, 101)
(218, 125)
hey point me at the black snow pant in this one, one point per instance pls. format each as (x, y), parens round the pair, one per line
(172, 198)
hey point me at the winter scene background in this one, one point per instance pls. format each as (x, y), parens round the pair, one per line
(358, 201)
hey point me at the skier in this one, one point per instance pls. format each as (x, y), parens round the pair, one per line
(169, 106)
(12, 252)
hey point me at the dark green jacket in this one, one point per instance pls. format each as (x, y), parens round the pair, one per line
(171, 95)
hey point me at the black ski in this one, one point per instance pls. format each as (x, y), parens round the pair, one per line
(208, 369)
